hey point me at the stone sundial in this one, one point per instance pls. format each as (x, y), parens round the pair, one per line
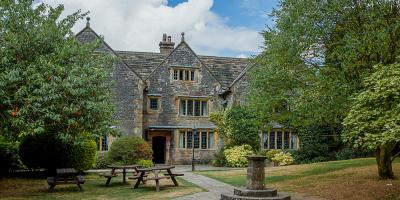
(255, 188)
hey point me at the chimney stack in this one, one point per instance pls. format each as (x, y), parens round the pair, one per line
(166, 45)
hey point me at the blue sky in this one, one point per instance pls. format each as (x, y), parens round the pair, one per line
(213, 27)
(248, 13)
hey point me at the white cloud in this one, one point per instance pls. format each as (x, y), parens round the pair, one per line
(138, 25)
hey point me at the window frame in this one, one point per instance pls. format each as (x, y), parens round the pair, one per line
(188, 143)
(183, 74)
(149, 99)
(191, 102)
(286, 134)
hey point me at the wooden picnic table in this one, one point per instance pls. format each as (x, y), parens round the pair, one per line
(113, 172)
(156, 170)
(66, 176)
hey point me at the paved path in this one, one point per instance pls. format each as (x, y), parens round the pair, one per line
(216, 188)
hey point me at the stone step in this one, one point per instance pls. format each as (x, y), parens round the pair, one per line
(279, 196)
(267, 192)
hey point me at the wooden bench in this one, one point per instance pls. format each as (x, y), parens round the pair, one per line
(108, 176)
(53, 181)
(174, 175)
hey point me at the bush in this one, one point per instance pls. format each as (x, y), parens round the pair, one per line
(129, 150)
(49, 152)
(236, 156)
(8, 156)
(282, 158)
(350, 153)
(44, 151)
(238, 126)
(82, 155)
(271, 154)
(102, 160)
(145, 163)
(219, 159)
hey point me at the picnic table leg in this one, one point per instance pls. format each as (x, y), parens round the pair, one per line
(51, 187)
(172, 177)
(108, 181)
(157, 185)
(139, 179)
(123, 174)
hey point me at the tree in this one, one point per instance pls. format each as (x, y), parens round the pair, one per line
(49, 82)
(373, 121)
(237, 125)
(315, 58)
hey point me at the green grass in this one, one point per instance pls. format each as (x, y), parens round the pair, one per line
(312, 169)
(347, 179)
(94, 188)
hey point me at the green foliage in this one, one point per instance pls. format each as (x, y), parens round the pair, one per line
(50, 152)
(236, 156)
(219, 159)
(8, 156)
(102, 160)
(315, 59)
(44, 151)
(271, 153)
(82, 155)
(129, 150)
(374, 117)
(145, 163)
(237, 125)
(49, 82)
(283, 158)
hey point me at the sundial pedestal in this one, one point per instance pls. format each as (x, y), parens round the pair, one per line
(255, 188)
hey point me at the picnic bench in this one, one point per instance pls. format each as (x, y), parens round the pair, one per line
(65, 176)
(114, 173)
(156, 170)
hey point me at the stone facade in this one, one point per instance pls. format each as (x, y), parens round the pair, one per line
(166, 97)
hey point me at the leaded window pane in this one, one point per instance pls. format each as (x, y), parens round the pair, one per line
(180, 74)
(182, 108)
(175, 74)
(204, 140)
(265, 144)
(196, 140)
(279, 140)
(204, 108)
(190, 107)
(189, 139)
(197, 107)
(182, 139)
(153, 103)
(272, 140)
(286, 140)
(210, 140)
(192, 75)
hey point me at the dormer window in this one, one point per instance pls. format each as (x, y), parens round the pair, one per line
(183, 75)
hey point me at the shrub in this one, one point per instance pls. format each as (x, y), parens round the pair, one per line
(219, 159)
(82, 155)
(145, 163)
(271, 154)
(282, 158)
(237, 125)
(101, 160)
(236, 156)
(129, 150)
(350, 153)
(43, 151)
(8, 156)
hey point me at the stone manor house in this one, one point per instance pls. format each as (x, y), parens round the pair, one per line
(165, 96)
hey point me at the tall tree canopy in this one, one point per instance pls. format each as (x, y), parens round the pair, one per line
(374, 119)
(316, 57)
(49, 82)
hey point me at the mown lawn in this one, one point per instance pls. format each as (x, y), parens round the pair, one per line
(347, 179)
(18, 188)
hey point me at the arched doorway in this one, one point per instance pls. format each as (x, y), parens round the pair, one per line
(158, 145)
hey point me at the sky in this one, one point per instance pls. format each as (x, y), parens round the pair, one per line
(212, 27)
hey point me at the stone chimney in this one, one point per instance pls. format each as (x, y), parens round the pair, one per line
(166, 45)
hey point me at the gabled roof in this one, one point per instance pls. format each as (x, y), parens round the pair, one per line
(225, 69)
(141, 62)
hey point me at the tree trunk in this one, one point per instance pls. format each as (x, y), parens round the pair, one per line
(383, 159)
